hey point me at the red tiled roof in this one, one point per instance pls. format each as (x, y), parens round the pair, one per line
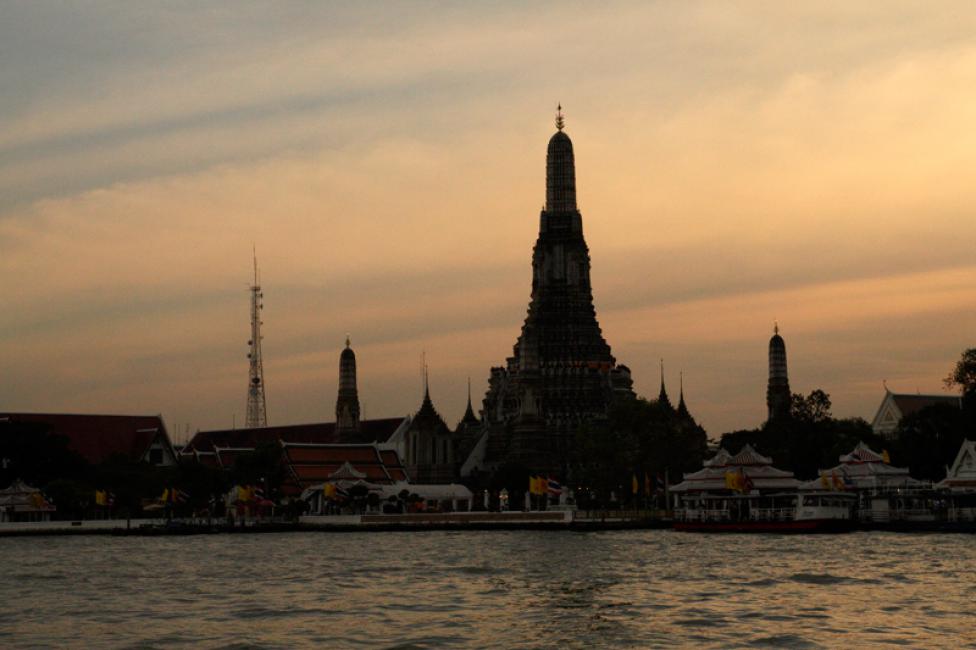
(322, 432)
(99, 437)
(333, 454)
(319, 433)
(377, 430)
(315, 463)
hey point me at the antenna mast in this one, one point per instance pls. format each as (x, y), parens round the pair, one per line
(257, 412)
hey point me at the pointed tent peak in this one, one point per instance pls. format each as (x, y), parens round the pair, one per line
(749, 456)
(560, 120)
(720, 459)
(884, 382)
(861, 454)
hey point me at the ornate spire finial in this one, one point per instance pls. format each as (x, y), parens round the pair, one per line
(681, 384)
(560, 122)
(347, 339)
(775, 327)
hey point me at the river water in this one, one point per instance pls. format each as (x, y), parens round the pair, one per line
(504, 589)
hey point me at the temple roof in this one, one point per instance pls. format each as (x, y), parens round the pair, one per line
(962, 475)
(378, 430)
(308, 464)
(99, 437)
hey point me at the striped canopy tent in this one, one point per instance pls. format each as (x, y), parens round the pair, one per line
(22, 502)
(862, 469)
(748, 462)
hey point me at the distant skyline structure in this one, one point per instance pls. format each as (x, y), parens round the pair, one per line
(257, 408)
(778, 396)
(561, 372)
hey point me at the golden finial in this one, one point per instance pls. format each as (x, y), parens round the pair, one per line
(560, 123)
(775, 327)
(347, 340)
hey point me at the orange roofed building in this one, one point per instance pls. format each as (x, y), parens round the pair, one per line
(308, 464)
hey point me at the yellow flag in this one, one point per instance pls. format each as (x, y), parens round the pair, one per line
(838, 483)
(730, 480)
(885, 458)
(165, 496)
(634, 485)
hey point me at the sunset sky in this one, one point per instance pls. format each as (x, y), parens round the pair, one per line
(737, 163)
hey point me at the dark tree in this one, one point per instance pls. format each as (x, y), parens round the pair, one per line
(813, 408)
(31, 453)
(639, 438)
(928, 440)
(810, 440)
(964, 373)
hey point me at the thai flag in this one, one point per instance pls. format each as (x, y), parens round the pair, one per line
(553, 487)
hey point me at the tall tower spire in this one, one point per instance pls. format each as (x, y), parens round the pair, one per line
(778, 395)
(257, 411)
(561, 372)
(347, 403)
(560, 172)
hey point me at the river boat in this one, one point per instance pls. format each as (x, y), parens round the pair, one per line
(821, 512)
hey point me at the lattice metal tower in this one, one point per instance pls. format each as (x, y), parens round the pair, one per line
(257, 411)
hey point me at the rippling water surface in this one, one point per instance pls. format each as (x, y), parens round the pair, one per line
(489, 589)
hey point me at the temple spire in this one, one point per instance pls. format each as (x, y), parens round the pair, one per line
(778, 397)
(469, 416)
(682, 407)
(560, 171)
(663, 395)
(347, 403)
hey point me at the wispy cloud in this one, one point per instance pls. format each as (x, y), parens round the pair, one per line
(736, 164)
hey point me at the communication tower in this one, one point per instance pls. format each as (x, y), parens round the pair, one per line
(257, 411)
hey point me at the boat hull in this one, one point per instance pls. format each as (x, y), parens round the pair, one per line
(801, 526)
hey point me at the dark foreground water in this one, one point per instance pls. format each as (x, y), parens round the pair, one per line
(489, 589)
